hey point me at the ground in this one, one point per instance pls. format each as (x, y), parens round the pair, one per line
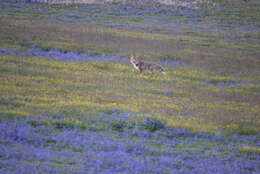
(71, 101)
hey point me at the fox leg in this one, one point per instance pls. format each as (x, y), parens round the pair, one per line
(154, 70)
(140, 70)
(151, 71)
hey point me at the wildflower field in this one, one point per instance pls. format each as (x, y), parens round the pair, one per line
(71, 102)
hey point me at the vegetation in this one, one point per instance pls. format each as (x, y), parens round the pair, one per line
(67, 89)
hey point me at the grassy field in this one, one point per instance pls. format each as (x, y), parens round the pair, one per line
(210, 94)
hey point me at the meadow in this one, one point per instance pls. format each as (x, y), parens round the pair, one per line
(70, 101)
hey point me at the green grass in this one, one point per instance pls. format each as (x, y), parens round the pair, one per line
(217, 54)
(41, 86)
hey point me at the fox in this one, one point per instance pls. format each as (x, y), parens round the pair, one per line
(145, 65)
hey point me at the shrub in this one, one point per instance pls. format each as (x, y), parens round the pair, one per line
(152, 124)
(118, 125)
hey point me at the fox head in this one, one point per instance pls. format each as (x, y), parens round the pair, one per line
(134, 57)
(135, 61)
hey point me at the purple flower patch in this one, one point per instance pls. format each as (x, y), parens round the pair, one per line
(30, 145)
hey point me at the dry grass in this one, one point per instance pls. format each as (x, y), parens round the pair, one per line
(38, 86)
(188, 96)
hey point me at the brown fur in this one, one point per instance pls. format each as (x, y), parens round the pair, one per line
(145, 65)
